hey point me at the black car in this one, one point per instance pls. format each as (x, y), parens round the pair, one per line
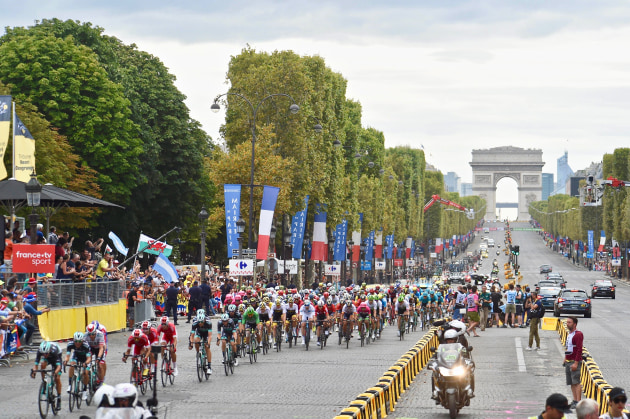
(544, 269)
(572, 301)
(603, 288)
(548, 295)
(456, 278)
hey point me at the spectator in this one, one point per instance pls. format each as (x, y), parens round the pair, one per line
(510, 306)
(52, 236)
(495, 295)
(555, 407)
(536, 311)
(460, 297)
(226, 288)
(485, 299)
(27, 302)
(67, 246)
(93, 247)
(196, 299)
(206, 292)
(104, 266)
(132, 297)
(520, 300)
(8, 250)
(617, 400)
(472, 300)
(573, 359)
(170, 305)
(587, 409)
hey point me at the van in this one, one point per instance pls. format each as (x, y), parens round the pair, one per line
(486, 230)
(490, 242)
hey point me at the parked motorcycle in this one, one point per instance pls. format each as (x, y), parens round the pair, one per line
(453, 381)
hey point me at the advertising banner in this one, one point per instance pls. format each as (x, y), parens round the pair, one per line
(232, 194)
(39, 258)
(241, 267)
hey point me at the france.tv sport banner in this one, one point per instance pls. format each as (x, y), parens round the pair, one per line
(39, 258)
(232, 194)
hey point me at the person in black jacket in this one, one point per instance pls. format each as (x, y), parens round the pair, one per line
(195, 302)
(172, 292)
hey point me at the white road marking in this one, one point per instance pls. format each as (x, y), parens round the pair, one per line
(519, 355)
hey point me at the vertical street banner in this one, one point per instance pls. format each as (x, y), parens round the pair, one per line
(602, 241)
(413, 249)
(341, 233)
(24, 151)
(378, 244)
(438, 245)
(408, 246)
(389, 241)
(267, 208)
(356, 239)
(320, 238)
(5, 125)
(591, 245)
(232, 195)
(298, 226)
(369, 246)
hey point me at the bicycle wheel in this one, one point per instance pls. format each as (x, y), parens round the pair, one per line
(71, 394)
(133, 377)
(170, 375)
(251, 349)
(142, 380)
(200, 366)
(150, 376)
(265, 341)
(230, 359)
(78, 386)
(226, 362)
(43, 400)
(164, 368)
(255, 349)
(278, 338)
(290, 337)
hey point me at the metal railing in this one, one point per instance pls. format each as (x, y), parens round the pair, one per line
(79, 294)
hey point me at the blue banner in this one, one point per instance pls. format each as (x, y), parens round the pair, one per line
(399, 253)
(369, 246)
(389, 242)
(298, 226)
(232, 195)
(366, 265)
(413, 249)
(341, 233)
(591, 246)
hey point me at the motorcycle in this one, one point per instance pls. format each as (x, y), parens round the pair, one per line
(453, 381)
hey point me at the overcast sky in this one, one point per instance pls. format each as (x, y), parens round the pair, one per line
(448, 75)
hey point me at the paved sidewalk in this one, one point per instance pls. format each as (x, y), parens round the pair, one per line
(506, 387)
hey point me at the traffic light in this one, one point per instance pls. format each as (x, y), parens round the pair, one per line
(516, 250)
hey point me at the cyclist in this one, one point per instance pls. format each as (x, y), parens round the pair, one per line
(51, 354)
(348, 312)
(333, 312)
(307, 312)
(96, 340)
(402, 309)
(202, 331)
(277, 315)
(227, 331)
(363, 312)
(290, 315)
(251, 321)
(264, 313)
(168, 335)
(139, 342)
(103, 330)
(375, 309)
(81, 353)
(322, 315)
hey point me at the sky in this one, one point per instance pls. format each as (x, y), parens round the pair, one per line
(448, 76)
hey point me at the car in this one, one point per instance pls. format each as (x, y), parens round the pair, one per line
(545, 283)
(456, 278)
(548, 295)
(558, 279)
(490, 243)
(572, 301)
(544, 269)
(603, 288)
(484, 253)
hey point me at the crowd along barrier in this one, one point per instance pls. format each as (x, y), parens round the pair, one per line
(379, 401)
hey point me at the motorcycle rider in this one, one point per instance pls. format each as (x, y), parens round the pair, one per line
(453, 335)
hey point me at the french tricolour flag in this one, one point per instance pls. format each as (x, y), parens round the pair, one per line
(378, 244)
(438, 245)
(408, 245)
(270, 196)
(320, 239)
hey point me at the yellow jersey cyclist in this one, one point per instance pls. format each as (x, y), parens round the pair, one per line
(201, 331)
(78, 352)
(49, 353)
(277, 315)
(264, 315)
(291, 310)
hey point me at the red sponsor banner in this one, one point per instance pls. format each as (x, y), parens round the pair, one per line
(398, 262)
(39, 258)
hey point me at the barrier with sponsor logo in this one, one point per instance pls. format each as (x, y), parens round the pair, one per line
(379, 401)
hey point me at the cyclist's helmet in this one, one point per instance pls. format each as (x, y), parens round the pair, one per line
(290, 300)
(238, 298)
(363, 285)
(45, 347)
(145, 325)
(241, 307)
(320, 303)
(253, 301)
(91, 328)
(231, 308)
(370, 298)
(278, 302)
(201, 316)
(225, 317)
(164, 320)
(78, 336)
(104, 396)
(97, 324)
(266, 300)
(363, 297)
(348, 303)
(326, 294)
(307, 303)
(125, 391)
(329, 301)
(250, 311)
(137, 333)
(201, 311)
(401, 298)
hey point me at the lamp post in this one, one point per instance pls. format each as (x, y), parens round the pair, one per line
(203, 218)
(351, 246)
(331, 246)
(33, 198)
(294, 108)
(307, 237)
(286, 238)
(240, 229)
(361, 260)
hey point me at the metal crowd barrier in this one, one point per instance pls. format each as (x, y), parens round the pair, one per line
(64, 295)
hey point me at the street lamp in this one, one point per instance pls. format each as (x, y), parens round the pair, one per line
(307, 237)
(272, 243)
(331, 245)
(294, 108)
(351, 246)
(203, 218)
(286, 237)
(33, 198)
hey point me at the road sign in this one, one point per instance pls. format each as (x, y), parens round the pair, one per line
(241, 267)
(332, 269)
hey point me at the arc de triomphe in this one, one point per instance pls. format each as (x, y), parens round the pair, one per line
(523, 165)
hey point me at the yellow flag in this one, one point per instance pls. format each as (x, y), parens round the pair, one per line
(24, 160)
(5, 124)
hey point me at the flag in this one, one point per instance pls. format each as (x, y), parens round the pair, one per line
(320, 239)
(153, 246)
(341, 233)
(356, 239)
(5, 124)
(24, 161)
(369, 246)
(298, 226)
(267, 208)
(118, 244)
(438, 245)
(164, 267)
(108, 249)
(232, 195)
(413, 249)
(591, 245)
(602, 242)
(408, 244)
(389, 241)
(378, 244)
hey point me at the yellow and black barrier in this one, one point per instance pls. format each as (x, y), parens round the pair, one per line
(379, 401)
(594, 386)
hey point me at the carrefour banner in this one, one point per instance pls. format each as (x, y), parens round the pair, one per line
(232, 195)
(298, 227)
(591, 245)
(341, 233)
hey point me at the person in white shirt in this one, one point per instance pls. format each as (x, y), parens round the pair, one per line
(307, 312)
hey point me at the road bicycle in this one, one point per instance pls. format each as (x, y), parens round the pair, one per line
(137, 368)
(307, 333)
(241, 347)
(401, 327)
(362, 329)
(253, 345)
(265, 339)
(46, 398)
(228, 359)
(77, 387)
(278, 333)
(202, 361)
(166, 369)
